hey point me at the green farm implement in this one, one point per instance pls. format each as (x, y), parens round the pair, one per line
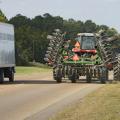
(88, 55)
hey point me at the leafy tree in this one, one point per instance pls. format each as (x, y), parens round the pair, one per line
(89, 26)
(20, 20)
(73, 27)
(2, 17)
(104, 27)
(112, 32)
(37, 23)
(24, 45)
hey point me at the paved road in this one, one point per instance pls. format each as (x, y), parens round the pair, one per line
(38, 97)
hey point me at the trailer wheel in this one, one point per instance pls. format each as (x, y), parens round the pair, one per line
(58, 76)
(11, 76)
(88, 76)
(103, 77)
(69, 73)
(77, 74)
(107, 75)
(63, 72)
(73, 76)
(88, 79)
(102, 80)
(1, 76)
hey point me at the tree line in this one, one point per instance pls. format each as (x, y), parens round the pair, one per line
(31, 33)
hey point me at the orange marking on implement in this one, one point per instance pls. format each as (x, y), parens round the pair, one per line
(77, 44)
(75, 57)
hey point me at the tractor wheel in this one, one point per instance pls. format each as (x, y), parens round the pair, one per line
(107, 75)
(72, 75)
(67, 70)
(88, 76)
(102, 80)
(77, 74)
(63, 72)
(54, 73)
(58, 75)
(69, 73)
(103, 77)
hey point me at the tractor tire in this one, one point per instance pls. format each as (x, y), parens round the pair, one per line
(103, 77)
(72, 75)
(107, 75)
(77, 74)
(102, 80)
(88, 76)
(69, 73)
(63, 72)
(73, 80)
(58, 76)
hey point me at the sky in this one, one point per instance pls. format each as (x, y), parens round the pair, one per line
(99, 11)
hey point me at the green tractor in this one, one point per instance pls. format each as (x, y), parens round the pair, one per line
(88, 55)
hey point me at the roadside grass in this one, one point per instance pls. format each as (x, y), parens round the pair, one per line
(31, 70)
(103, 104)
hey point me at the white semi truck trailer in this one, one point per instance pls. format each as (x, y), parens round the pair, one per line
(7, 52)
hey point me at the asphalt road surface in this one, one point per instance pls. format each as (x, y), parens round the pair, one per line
(38, 96)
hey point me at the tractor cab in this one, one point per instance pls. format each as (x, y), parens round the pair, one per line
(85, 42)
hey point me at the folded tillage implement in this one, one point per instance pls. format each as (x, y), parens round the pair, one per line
(89, 55)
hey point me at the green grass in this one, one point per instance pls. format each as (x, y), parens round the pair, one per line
(103, 104)
(31, 70)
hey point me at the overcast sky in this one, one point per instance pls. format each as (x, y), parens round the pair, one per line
(100, 11)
